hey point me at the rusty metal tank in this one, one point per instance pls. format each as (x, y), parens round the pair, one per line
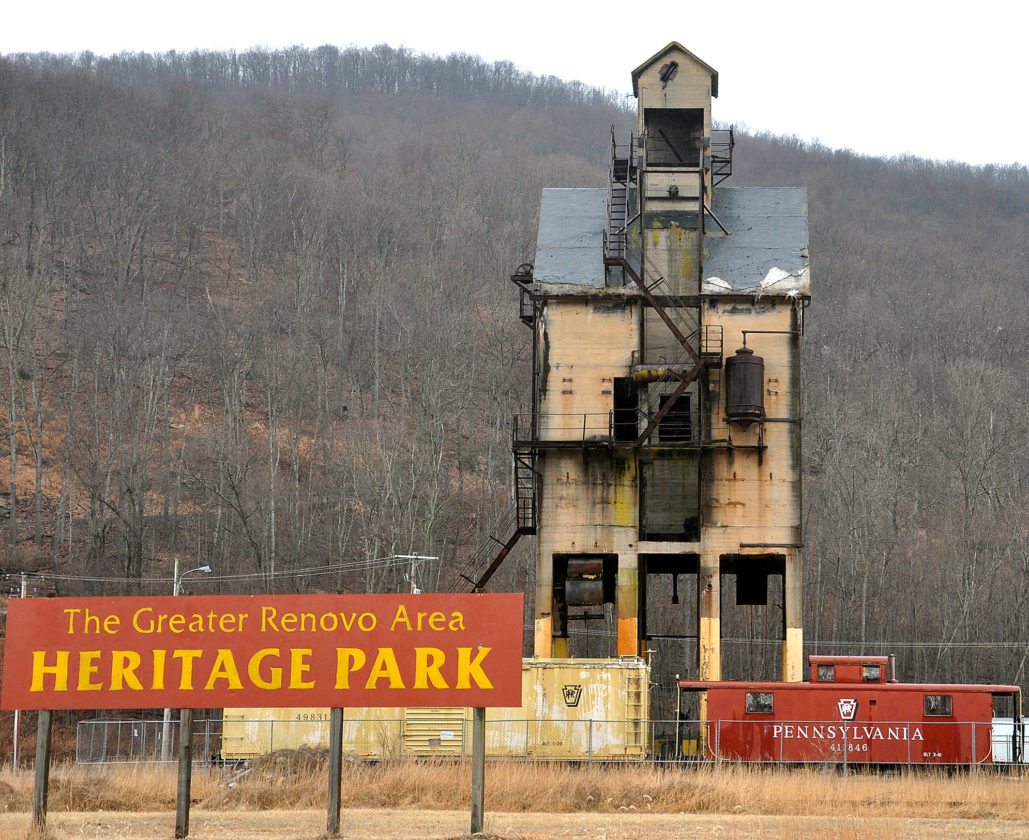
(744, 387)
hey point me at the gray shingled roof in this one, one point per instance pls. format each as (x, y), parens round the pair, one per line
(570, 244)
(765, 253)
(769, 240)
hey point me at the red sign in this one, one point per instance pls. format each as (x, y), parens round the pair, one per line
(263, 650)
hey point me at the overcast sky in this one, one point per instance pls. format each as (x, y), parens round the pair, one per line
(940, 79)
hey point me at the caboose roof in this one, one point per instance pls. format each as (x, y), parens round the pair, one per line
(928, 688)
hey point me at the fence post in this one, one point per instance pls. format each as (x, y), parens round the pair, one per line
(589, 742)
(975, 759)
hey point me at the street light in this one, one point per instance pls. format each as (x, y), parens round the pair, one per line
(177, 579)
(176, 590)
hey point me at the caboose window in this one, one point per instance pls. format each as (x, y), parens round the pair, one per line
(827, 673)
(873, 673)
(759, 702)
(939, 705)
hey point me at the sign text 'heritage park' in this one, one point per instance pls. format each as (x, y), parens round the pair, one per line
(263, 650)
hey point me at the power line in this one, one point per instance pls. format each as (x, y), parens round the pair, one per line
(353, 565)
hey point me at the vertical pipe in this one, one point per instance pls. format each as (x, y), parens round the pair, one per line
(478, 768)
(335, 771)
(185, 773)
(42, 786)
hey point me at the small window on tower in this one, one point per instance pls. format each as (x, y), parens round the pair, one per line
(873, 673)
(827, 673)
(939, 705)
(759, 703)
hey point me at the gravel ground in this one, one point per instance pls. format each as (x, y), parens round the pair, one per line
(449, 825)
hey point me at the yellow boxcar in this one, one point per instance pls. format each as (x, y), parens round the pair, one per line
(573, 709)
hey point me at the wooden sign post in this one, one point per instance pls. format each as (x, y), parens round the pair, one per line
(335, 772)
(478, 769)
(185, 773)
(41, 791)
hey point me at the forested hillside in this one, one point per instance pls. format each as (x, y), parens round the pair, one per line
(917, 406)
(255, 313)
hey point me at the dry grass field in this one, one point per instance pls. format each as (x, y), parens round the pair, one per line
(283, 796)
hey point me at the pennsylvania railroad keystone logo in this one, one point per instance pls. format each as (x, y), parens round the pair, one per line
(572, 695)
(848, 708)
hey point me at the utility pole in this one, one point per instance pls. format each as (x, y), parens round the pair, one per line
(166, 722)
(17, 713)
(414, 559)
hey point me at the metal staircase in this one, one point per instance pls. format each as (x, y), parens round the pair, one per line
(517, 520)
(722, 142)
(617, 255)
(621, 173)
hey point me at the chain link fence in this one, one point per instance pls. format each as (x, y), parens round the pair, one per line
(106, 741)
(447, 733)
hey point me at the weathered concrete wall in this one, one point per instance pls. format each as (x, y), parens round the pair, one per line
(588, 499)
(588, 344)
(752, 499)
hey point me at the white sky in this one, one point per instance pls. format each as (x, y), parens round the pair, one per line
(936, 79)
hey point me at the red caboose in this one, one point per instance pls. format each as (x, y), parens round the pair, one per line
(854, 710)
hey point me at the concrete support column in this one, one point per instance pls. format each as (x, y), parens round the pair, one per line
(709, 633)
(543, 633)
(627, 601)
(793, 595)
(543, 642)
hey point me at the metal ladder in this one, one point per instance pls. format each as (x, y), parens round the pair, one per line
(635, 708)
